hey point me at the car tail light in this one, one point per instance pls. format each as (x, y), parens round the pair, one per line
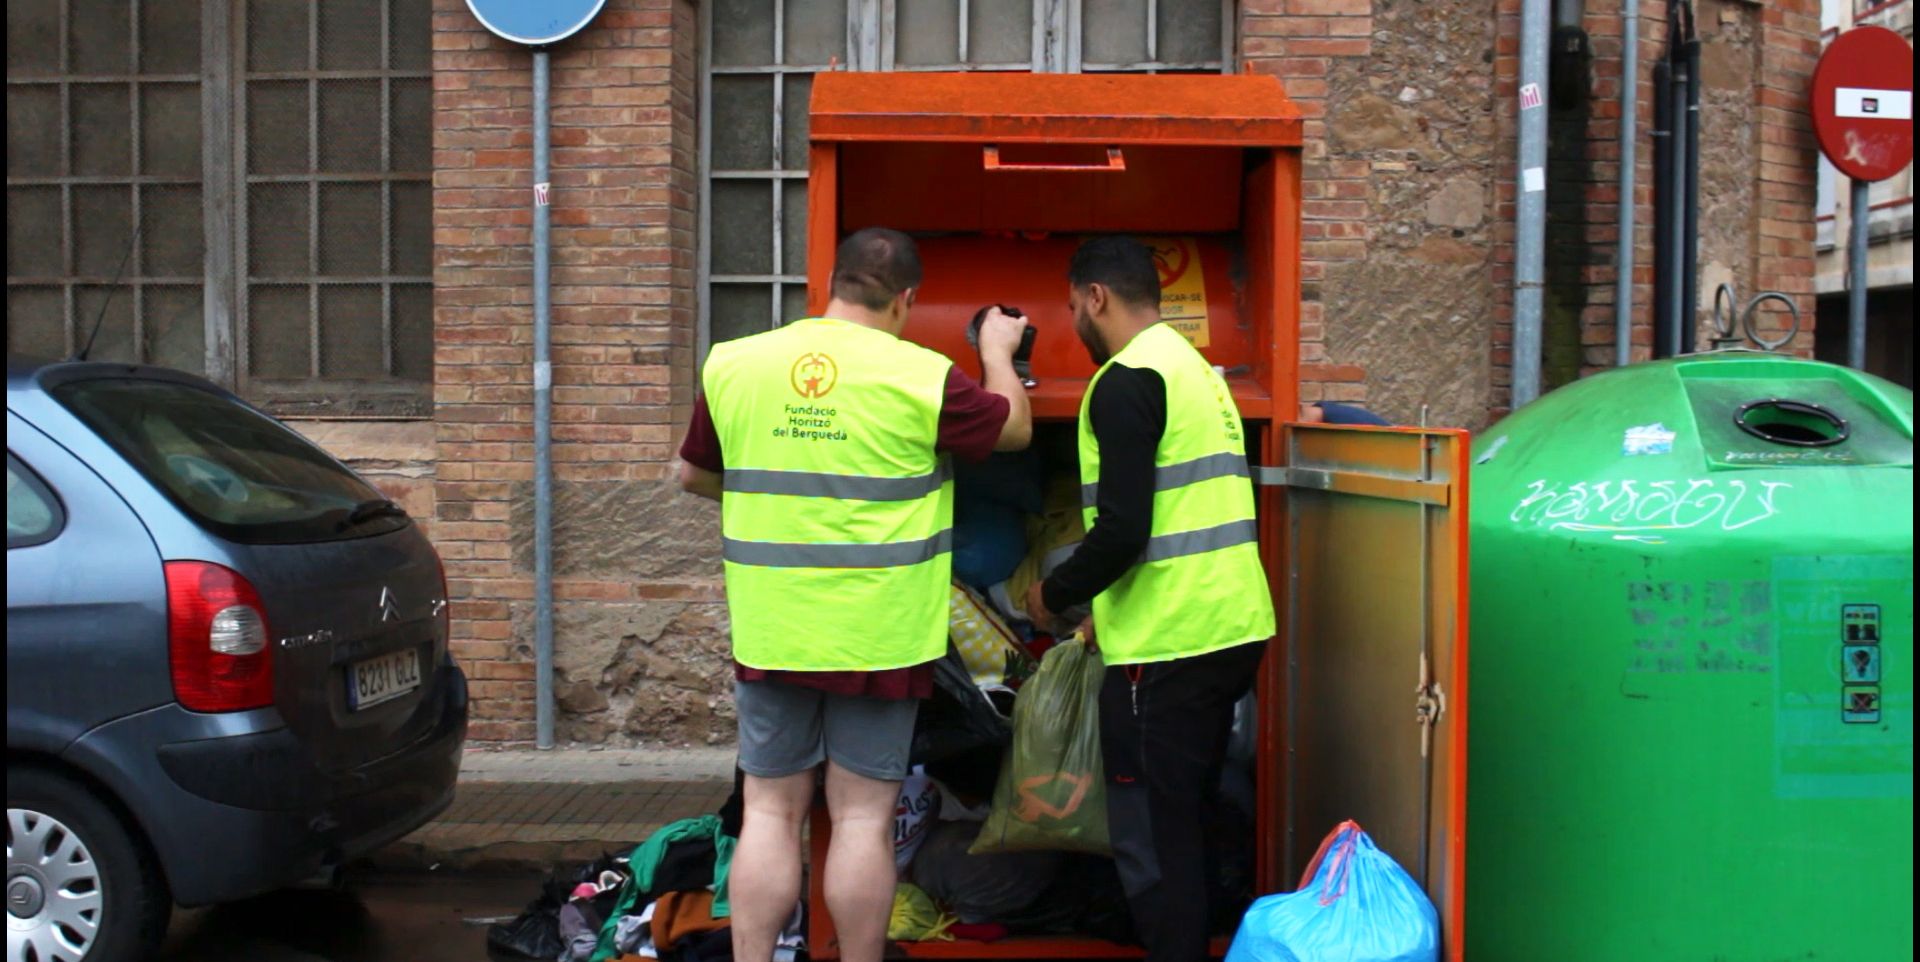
(217, 640)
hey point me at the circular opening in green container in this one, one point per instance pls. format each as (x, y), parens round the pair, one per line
(1793, 423)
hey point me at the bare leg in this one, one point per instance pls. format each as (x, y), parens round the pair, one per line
(860, 874)
(763, 883)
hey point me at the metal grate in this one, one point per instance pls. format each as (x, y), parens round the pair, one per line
(761, 56)
(103, 180)
(337, 215)
(301, 274)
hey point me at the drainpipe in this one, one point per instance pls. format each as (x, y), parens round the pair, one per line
(1629, 125)
(542, 419)
(1529, 279)
(1690, 238)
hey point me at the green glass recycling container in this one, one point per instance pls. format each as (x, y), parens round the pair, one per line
(1692, 619)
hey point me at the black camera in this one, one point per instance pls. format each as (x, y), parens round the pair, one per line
(1023, 355)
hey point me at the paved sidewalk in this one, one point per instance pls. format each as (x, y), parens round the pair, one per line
(527, 810)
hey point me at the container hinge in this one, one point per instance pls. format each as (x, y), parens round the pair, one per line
(1429, 704)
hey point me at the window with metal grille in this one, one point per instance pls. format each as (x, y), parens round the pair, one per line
(761, 56)
(235, 187)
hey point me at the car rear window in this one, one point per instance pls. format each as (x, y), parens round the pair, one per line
(241, 474)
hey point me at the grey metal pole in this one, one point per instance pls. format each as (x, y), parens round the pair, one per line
(1529, 281)
(1677, 221)
(542, 418)
(1629, 138)
(1859, 213)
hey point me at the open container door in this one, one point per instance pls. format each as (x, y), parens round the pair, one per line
(1371, 669)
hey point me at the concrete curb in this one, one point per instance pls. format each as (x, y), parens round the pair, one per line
(526, 811)
(491, 858)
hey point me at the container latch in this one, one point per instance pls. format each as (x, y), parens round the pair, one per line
(1429, 704)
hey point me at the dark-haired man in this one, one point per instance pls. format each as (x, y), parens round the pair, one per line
(826, 443)
(1172, 567)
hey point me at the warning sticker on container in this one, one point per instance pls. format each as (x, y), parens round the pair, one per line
(1183, 286)
(1842, 717)
(1860, 705)
(1860, 624)
(1860, 664)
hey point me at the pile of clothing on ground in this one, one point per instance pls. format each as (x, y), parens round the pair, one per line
(664, 900)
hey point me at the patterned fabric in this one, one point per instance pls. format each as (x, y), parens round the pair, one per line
(990, 650)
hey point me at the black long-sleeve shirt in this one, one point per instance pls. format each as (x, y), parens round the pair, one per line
(1128, 411)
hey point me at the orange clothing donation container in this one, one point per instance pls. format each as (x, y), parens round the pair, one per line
(1362, 700)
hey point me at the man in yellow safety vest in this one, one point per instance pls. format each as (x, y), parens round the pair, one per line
(1171, 564)
(827, 443)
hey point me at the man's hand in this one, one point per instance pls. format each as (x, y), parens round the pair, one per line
(1086, 634)
(1037, 608)
(1000, 335)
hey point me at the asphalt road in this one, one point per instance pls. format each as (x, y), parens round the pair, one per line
(369, 918)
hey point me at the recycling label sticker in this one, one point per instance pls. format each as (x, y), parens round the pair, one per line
(1860, 664)
(1860, 705)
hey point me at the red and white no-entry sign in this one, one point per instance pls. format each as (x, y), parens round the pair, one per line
(1863, 103)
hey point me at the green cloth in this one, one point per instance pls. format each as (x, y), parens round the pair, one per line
(646, 859)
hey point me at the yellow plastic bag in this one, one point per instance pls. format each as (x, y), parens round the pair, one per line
(986, 645)
(916, 918)
(1052, 792)
(1051, 536)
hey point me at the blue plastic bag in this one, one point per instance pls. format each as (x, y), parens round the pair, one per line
(1355, 904)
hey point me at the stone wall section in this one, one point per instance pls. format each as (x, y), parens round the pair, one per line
(1400, 159)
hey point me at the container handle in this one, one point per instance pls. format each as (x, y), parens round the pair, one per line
(990, 160)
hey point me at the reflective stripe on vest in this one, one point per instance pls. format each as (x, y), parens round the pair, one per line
(813, 484)
(1203, 468)
(1199, 586)
(836, 512)
(769, 554)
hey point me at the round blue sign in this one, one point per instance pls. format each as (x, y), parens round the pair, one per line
(535, 23)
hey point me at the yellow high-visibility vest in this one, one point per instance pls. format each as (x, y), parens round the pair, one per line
(837, 514)
(1200, 586)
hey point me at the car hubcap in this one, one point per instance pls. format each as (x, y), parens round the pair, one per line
(25, 897)
(53, 890)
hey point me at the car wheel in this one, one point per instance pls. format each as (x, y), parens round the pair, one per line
(79, 885)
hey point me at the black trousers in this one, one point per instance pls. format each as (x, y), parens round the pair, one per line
(1163, 738)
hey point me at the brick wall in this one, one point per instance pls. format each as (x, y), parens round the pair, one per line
(623, 193)
(1399, 171)
(1789, 35)
(1756, 192)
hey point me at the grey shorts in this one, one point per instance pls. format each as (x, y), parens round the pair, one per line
(786, 730)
